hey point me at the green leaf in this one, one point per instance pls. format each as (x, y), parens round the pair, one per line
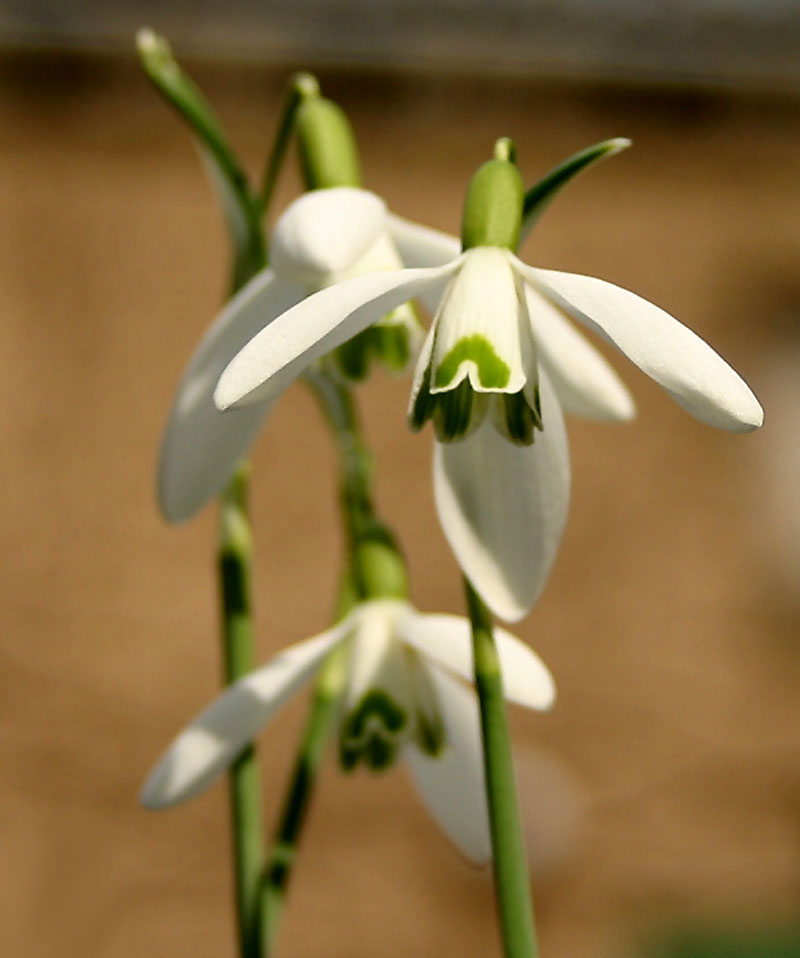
(539, 195)
(240, 204)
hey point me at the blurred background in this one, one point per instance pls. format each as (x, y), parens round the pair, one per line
(662, 794)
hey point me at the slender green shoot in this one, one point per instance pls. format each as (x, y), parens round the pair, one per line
(512, 879)
(241, 205)
(541, 193)
(238, 634)
(301, 87)
(310, 755)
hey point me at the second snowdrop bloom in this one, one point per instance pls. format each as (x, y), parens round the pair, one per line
(403, 698)
(322, 238)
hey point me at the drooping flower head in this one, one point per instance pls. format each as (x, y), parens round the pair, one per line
(323, 237)
(403, 698)
(498, 362)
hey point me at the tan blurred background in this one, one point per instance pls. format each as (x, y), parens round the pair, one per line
(664, 787)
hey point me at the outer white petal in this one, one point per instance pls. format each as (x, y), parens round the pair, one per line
(687, 367)
(279, 353)
(584, 382)
(446, 639)
(480, 311)
(451, 784)
(213, 740)
(201, 446)
(325, 231)
(421, 246)
(503, 508)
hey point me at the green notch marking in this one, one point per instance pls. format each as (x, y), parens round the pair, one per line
(493, 373)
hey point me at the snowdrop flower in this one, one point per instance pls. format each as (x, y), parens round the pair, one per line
(323, 237)
(402, 699)
(500, 360)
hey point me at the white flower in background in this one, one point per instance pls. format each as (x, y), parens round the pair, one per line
(402, 699)
(500, 333)
(322, 238)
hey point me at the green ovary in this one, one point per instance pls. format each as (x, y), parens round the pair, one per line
(493, 373)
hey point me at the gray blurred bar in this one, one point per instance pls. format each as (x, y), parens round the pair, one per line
(754, 42)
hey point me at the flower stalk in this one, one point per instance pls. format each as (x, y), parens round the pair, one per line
(243, 209)
(235, 561)
(493, 217)
(310, 754)
(510, 867)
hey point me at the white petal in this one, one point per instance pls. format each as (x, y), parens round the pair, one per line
(584, 382)
(377, 661)
(477, 327)
(686, 366)
(201, 446)
(325, 231)
(503, 508)
(422, 246)
(447, 640)
(451, 784)
(214, 739)
(279, 353)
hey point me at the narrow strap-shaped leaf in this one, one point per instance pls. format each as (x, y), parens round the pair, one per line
(540, 194)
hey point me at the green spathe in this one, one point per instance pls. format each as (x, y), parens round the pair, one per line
(493, 206)
(327, 146)
(493, 372)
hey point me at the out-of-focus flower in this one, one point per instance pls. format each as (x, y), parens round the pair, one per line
(402, 699)
(323, 237)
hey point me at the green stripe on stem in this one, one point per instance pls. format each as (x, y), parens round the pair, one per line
(297, 801)
(238, 635)
(511, 875)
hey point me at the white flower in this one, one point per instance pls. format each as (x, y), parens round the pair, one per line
(322, 238)
(401, 699)
(500, 352)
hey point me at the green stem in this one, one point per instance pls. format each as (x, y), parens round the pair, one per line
(512, 882)
(301, 87)
(375, 568)
(355, 460)
(235, 576)
(241, 205)
(297, 801)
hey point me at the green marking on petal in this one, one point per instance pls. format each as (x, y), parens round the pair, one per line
(388, 341)
(375, 704)
(352, 357)
(430, 734)
(379, 753)
(371, 733)
(424, 404)
(493, 372)
(392, 345)
(459, 412)
(519, 418)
